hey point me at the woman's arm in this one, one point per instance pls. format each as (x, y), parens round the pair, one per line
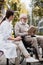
(15, 39)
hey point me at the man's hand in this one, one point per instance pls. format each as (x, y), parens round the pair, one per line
(18, 38)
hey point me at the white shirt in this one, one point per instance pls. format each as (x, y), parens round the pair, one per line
(6, 45)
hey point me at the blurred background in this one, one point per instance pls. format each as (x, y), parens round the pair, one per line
(33, 9)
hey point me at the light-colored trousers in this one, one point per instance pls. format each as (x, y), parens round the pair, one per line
(33, 41)
(40, 41)
(21, 48)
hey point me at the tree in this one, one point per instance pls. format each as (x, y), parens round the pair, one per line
(18, 7)
(1, 5)
(37, 11)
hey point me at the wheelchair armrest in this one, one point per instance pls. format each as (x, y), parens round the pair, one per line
(31, 49)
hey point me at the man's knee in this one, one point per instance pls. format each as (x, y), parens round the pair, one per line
(34, 39)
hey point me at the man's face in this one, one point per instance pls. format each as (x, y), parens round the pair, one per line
(24, 19)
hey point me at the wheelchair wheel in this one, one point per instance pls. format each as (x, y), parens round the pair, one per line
(21, 58)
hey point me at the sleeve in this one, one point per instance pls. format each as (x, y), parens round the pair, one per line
(6, 32)
(17, 31)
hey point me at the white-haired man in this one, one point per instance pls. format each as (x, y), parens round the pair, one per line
(21, 29)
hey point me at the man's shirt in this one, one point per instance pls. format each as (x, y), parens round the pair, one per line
(21, 28)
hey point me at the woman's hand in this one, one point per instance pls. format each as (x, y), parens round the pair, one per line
(18, 38)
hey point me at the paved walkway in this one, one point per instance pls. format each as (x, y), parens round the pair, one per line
(3, 62)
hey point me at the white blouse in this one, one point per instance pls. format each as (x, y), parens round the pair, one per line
(6, 45)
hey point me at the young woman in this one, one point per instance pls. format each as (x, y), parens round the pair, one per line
(6, 39)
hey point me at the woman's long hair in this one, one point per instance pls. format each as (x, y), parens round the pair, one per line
(8, 14)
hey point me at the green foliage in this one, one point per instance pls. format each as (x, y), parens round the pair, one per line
(16, 7)
(16, 18)
(40, 33)
(37, 13)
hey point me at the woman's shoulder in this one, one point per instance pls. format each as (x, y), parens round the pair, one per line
(4, 24)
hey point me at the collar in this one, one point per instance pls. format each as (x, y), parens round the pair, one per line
(7, 20)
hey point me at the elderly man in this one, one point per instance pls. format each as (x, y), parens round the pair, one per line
(21, 29)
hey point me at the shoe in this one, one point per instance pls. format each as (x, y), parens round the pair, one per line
(31, 59)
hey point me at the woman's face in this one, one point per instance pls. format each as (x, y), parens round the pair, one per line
(11, 17)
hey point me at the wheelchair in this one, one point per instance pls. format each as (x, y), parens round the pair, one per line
(32, 51)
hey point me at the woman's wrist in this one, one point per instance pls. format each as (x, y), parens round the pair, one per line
(17, 38)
